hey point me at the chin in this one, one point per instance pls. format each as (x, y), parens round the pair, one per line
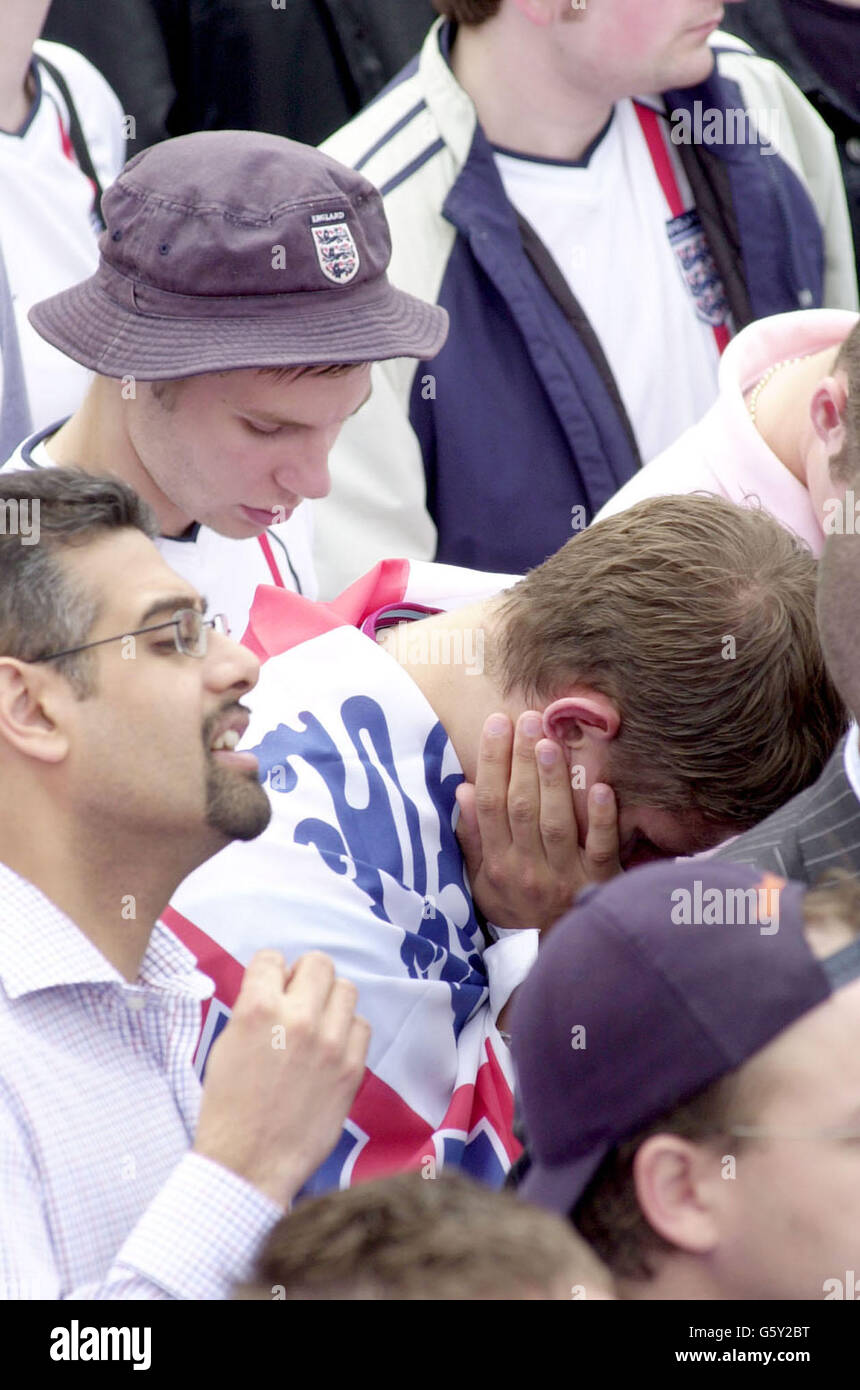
(233, 527)
(696, 67)
(237, 809)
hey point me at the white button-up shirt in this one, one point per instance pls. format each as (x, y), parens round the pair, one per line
(99, 1195)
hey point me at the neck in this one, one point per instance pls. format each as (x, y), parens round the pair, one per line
(783, 415)
(679, 1277)
(22, 24)
(524, 102)
(96, 437)
(447, 656)
(113, 887)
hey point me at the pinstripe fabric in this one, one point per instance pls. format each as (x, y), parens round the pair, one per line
(817, 830)
(99, 1195)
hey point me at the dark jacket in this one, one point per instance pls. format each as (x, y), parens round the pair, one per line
(299, 70)
(762, 24)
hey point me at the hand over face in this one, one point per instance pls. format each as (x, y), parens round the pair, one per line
(518, 829)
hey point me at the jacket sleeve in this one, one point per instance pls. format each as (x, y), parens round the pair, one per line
(377, 507)
(223, 1221)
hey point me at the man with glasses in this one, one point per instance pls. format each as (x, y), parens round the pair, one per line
(688, 1052)
(240, 298)
(120, 711)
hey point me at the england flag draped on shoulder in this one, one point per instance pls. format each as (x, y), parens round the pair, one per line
(361, 861)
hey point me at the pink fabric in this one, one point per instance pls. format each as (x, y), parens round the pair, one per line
(724, 453)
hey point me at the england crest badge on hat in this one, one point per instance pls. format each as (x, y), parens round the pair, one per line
(337, 252)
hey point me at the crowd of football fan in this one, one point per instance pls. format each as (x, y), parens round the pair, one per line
(429, 657)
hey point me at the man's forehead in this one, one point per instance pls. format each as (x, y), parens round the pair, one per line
(686, 830)
(252, 381)
(125, 572)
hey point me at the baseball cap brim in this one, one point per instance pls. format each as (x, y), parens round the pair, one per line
(89, 326)
(559, 1188)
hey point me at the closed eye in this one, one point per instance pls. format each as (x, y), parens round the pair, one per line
(262, 429)
(644, 851)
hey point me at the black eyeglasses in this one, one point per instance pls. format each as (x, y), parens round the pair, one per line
(190, 633)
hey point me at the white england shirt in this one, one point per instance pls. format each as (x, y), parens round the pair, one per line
(47, 232)
(360, 860)
(643, 278)
(225, 571)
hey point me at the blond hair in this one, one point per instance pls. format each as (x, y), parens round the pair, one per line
(408, 1238)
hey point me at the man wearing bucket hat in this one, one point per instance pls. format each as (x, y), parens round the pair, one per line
(688, 1055)
(240, 298)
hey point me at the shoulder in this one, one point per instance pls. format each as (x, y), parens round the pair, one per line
(420, 114)
(684, 466)
(97, 104)
(388, 135)
(84, 79)
(764, 85)
(814, 829)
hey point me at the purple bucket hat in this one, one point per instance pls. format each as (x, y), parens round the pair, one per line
(232, 249)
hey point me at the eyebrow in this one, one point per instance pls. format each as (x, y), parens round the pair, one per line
(171, 604)
(269, 418)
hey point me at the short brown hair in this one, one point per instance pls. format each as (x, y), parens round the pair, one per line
(42, 608)
(468, 11)
(608, 1215)
(167, 392)
(697, 618)
(845, 467)
(411, 1238)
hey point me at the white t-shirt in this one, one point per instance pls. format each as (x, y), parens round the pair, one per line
(607, 225)
(47, 232)
(225, 571)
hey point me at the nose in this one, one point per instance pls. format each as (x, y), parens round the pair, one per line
(230, 666)
(305, 473)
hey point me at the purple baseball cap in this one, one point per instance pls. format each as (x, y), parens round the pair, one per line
(654, 986)
(231, 249)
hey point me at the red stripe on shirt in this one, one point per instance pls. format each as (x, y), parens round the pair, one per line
(662, 161)
(266, 547)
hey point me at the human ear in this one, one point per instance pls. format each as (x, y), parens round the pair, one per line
(575, 719)
(673, 1192)
(827, 412)
(31, 701)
